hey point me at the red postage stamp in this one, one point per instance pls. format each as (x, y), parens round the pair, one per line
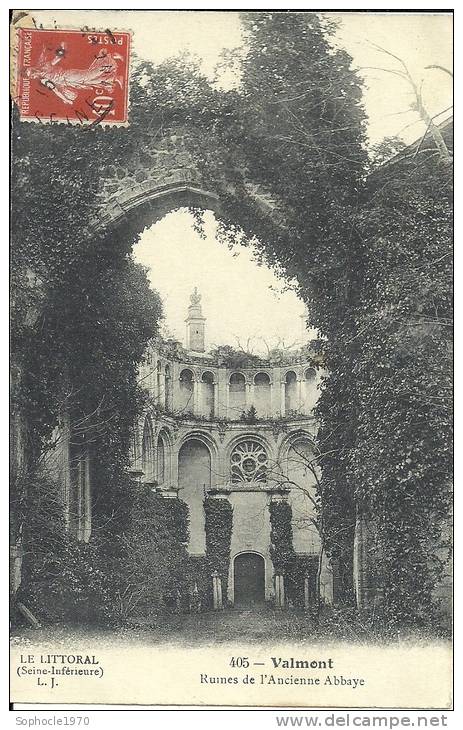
(73, 76)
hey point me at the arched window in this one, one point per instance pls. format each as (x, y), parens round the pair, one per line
(207, 394)
(167, 387)
(262, 395)
(194, 476)
(291, 400)
(248, 462)
(237, 394)
(300, 466)
(310, 393)
(310, 375)
(160, 461)
(147, 451)
(186, 390)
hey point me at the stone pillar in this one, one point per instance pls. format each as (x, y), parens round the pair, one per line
(175, 385)
(249, 394)
(216, 396)
(196, 395)
(283, 393)
(299, 393)
(216, 591)
(280, 591)
(275, 395)
(227, 394)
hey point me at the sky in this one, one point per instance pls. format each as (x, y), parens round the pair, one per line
(240, 299)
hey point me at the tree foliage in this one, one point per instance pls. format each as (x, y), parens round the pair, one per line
(401, 463)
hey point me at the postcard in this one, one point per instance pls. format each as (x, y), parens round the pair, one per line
(231, 358)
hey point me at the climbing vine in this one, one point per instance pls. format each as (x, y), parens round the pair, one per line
(402, 462)
(281, 536)
(218, 528)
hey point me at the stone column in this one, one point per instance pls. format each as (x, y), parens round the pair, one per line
(196, 395)
(275, 394)
(249, 393)
(282, 396)
(280, 591)
(299, 393)
(175, 385)
(216, 396)
(216, 591)
(227, 394)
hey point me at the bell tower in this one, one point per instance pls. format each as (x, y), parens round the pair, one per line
(195, 324)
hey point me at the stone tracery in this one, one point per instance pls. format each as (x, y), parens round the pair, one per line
(249, 462)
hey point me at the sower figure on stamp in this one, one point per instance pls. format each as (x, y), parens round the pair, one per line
(102, 73)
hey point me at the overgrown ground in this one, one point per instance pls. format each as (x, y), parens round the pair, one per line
(266, 626)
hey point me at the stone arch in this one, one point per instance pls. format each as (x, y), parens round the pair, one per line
(310, 374)
(263, 394)
(254, 584)
(204, 436)
(296, 460)
(167, 438)
(186, 390)
(162, 177)
(292, 438)
(310, 388)
(208, 375)
(144, 203)
(249, 435)
(194, 479)
(291, 391)
(236, 394)
(207, 394)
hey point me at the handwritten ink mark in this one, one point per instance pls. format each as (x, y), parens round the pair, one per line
(81, 116)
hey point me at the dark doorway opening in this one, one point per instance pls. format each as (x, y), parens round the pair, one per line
(249, 579)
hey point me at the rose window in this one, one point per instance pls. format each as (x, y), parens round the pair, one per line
(249, 462)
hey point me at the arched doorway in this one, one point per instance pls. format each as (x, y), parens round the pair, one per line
(249, 579)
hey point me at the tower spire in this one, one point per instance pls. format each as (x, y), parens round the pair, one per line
(195, 324)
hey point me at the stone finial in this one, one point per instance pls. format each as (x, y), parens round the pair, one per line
(195, 297)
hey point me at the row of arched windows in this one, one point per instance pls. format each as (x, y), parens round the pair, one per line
(237, 393)
(260, 379)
